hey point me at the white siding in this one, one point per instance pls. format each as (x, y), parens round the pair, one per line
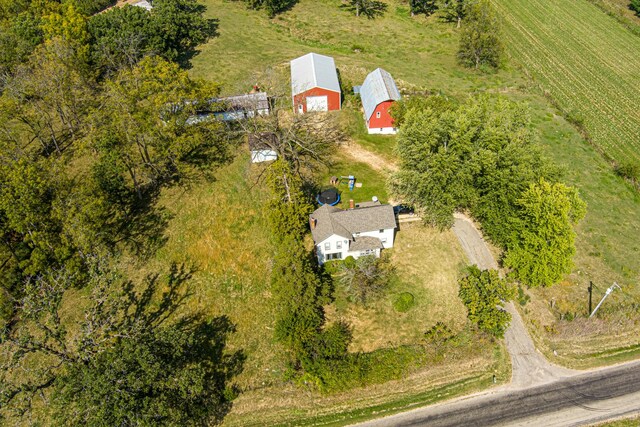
(332, 241)
(358, 254)
(382, 131)
(386, 237)
(259, 156)
(387, 234)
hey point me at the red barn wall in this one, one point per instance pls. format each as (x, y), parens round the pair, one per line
(333, 98)
(385, 120)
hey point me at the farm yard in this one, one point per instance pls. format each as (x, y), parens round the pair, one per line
(586, 62)
(238, 243)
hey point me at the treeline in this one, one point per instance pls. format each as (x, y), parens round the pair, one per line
(107, 41)
(94, 124)
(482, 156)
(450, 10)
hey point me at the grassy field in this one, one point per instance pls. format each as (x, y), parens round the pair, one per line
(220, 229)
(416, 50)
(628, 422)
(586, 62)
(429, 263)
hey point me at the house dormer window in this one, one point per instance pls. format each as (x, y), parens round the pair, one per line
(381, 230)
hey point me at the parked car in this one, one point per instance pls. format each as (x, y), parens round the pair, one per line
(403, 209)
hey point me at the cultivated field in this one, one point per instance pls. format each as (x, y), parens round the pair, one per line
(586, 62)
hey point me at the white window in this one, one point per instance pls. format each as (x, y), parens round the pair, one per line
(383, 240)
(377, 114)
(338, 245)
(327, 246)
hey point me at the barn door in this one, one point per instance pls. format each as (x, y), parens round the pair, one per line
(317, 103)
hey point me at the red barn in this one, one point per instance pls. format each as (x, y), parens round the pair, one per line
(378, 93)
(314, 84)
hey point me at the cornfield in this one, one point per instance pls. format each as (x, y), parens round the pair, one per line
(586, 62)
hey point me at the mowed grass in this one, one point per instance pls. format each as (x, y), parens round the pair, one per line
(586, 61)
(373, 184)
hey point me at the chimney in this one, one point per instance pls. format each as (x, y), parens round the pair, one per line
(352, 204)
(312, 223)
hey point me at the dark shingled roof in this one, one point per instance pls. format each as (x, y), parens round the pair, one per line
(325, 227)
(364, 243)
(331, 220)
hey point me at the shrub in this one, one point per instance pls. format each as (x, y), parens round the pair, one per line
(403, 302)
(629, 170)
(438, 334)
(482, 292)
(367, 277)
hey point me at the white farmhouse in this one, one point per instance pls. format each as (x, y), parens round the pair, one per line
(365, 230)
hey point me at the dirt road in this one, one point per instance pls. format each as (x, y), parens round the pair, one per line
(529, 367)
(359, 154)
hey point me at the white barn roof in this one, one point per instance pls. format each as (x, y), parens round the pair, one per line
(313, 70)
(378, 87)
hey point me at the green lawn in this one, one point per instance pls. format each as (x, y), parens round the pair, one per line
(372, 183)
(586, 61)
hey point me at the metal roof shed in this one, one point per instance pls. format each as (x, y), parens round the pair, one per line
(314, 83)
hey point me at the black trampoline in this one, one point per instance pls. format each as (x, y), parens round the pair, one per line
(329, 197)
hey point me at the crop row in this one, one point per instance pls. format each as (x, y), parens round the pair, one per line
(586, 61)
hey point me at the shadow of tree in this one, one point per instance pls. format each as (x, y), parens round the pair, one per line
(211, 30)
(369, 8)
(133, 357)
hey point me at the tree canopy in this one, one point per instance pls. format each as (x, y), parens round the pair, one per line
(483, 292)
(542, 246)
(481, 156)
(480, 40)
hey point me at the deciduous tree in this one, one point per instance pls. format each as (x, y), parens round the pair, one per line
(367, 277)
(542, 245)
(480, 41)
(144, 123)
(426, 7)
(482, 292)
(368, 8)
(452, 10)
(129, 361)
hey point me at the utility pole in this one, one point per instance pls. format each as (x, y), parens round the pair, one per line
(590, 288)
(606, 294)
